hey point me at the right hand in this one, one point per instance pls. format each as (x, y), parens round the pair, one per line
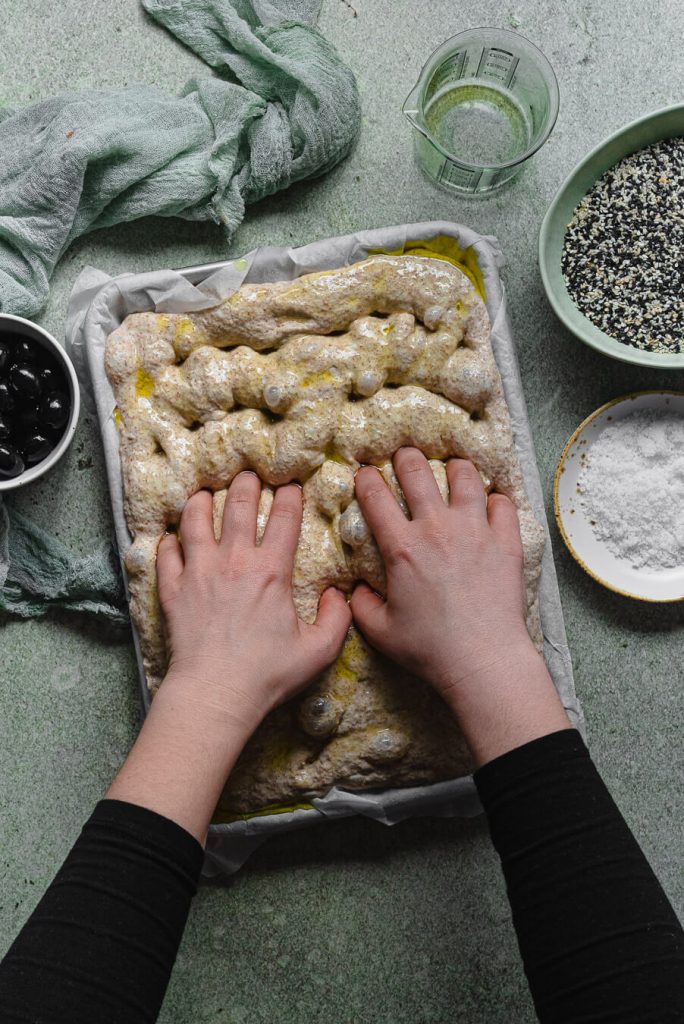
(455, 607)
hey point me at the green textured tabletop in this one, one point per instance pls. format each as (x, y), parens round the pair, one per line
(353, 922)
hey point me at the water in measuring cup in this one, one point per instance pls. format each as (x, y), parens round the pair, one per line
(479, 124)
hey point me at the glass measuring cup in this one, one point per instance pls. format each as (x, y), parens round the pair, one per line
(484, 103)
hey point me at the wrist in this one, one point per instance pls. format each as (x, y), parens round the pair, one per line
(210, 699)
(507, 703)
(498, 663)
(183, 755)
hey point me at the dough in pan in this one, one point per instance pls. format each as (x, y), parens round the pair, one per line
(306, 380)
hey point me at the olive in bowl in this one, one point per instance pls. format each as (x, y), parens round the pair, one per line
(39, 401)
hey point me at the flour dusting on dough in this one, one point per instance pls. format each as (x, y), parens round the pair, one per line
(307, 380)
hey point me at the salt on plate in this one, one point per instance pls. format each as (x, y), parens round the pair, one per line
(632, 489)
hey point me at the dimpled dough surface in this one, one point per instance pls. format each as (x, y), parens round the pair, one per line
(306, 380)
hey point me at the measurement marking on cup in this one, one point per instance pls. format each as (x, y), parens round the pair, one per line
(450, 174)
(497, 64)
(453, 67)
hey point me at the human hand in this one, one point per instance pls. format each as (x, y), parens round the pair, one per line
(455, 607)
(228, 606)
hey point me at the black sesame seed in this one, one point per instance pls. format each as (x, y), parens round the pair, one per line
(623, 253)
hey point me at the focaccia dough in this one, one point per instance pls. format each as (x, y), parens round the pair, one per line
(306, 380)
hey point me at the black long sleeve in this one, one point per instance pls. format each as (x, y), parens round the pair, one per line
(100, 945)
(599, 940)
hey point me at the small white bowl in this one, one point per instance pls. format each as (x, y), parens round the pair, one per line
(17, 325)
(574, 525)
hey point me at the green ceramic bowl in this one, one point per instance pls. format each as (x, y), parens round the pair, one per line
(663, 124)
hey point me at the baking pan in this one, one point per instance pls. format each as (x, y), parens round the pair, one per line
(100, 303)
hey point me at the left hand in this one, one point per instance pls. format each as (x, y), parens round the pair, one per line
(236, 643)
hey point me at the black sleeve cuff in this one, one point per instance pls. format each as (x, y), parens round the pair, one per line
(563, 747)
(166, 839)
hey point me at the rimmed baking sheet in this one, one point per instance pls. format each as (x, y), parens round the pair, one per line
(99, 304)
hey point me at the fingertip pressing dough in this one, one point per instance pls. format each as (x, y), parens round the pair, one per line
(306, 380)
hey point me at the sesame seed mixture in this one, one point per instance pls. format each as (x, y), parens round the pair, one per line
(623, 254)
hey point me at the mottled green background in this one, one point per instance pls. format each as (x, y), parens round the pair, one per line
(351, 922)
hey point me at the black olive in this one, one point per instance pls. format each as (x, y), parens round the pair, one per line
(5, 427)
(25, 351)
(36, 447)
(11, 462)
(49, 380)
(29, 416)
(25, 381)
(5, 353)
(6, 397)
(55, 410)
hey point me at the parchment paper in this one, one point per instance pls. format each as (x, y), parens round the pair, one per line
(99, 304)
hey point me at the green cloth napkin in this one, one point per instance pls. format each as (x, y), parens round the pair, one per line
(38, 572)
(86, 160)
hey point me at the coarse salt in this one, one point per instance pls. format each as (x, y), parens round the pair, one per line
(632, 489)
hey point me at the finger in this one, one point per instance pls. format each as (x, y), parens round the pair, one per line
(327, 634)
(380, 508)
(466, 490)
(417, 482)
(370, 613)
(196, 526)
(503, 519)
(169, 562)
(240, 510)
(331, 625)
(284, 522)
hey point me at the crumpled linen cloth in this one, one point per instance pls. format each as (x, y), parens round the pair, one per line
(81, 161)
(38, 572)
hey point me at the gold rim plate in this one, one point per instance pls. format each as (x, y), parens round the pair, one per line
(575, 528)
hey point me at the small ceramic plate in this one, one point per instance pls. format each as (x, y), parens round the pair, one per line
(577, 532)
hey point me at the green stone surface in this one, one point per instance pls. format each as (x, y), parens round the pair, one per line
(352, 922)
